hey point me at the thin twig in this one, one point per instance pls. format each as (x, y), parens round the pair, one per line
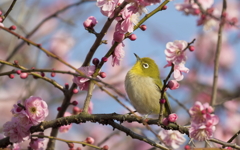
(9, 10)
(217, 55)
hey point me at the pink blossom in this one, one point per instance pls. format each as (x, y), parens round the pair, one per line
(37, 109)
(65, 128)
(172, 138)
(83, 83)
(16, 146)
(90, 22)
(16, 130)
(1, 24)
(107, 6)
(172, 117)
(129, 19)
(118, 54)
(175, 52)
(37, 144)
(201, 132)
(178, 69)
(173, 84)
(118, 36)
(189, 7)
(201, 113)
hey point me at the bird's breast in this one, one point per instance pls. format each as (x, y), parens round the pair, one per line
(143, 93)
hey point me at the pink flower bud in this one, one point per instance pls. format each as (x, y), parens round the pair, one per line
(75, 103)
(164, 7)
(19, 109)
(165, 121)
(53, 74)
(12, 27)
(11, 76)
(162, 101)
(132, 37)
(15, 62)
(197, 11)
(75, 91)
(105, 147)
(42, 74)
(118, 36)
(90, 140)
(24, 75)
(187, 147)
(59, 108)
(76, 110)
(143, 27)
(18, 72)
(191, 48)
(172, 117)
(104, 59)
(173, 84)
(102, 74)
(95, 61)
(90, 22)
(66, 85)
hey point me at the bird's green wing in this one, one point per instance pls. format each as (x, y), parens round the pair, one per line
(167, 104)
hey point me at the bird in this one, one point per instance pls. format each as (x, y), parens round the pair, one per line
(143, 87)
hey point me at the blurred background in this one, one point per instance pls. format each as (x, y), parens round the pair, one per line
(65, 36)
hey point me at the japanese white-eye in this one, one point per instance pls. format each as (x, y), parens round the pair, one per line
(143, 86)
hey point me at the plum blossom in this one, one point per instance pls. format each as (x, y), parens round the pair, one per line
(118, 54)
(31, 112)
(90, 22)
(15, 130)
(172, 138)
(129, 19)
(36, 109)
(175, 52)
(201, 132)
(202, 121)
(65, 128)
(107, 6)
(37, 144)
(83, 83)
(190, 7)
(178, 69)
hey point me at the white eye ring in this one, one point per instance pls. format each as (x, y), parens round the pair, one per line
(145, 65)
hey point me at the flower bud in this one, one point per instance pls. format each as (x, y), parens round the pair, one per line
(191, 48)
(90, 22)
(172, 117)
(102, 74)
(70, 145)
(24, 75)
(59, 108)
(165, 121)
(75, 91)
(11, 76)
(95, 61)
(74, 103)
(132, 37)
(76, 110)
(18, 72)
(118, 36)
(143, 27)
(90, 140)
(162, 101)
(12, 27)
(104, 59)
(105, 147)
(173, 84)
(164, 7)
(53, 74)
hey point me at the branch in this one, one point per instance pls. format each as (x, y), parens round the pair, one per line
(9, 10)
(217, 55)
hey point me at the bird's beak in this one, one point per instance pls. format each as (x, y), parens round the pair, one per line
(138, 58)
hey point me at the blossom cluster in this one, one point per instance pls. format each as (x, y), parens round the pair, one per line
(127, 18)
(33, 111)
(202, 121)
(176, 55)
(172, 138)
(189, 7)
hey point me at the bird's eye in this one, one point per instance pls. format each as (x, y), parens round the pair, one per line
(145, 65)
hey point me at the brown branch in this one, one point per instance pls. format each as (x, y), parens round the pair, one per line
(9, 10)
(217, 55)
